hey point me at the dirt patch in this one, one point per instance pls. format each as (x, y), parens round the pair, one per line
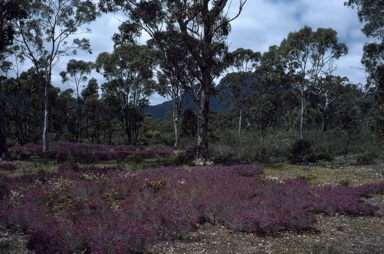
(331, 234)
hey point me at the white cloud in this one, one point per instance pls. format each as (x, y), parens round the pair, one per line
(263, 23)
(267, 22)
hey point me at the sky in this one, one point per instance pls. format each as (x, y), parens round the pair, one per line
(262, 23)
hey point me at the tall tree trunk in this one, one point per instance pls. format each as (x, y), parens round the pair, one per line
(176, 128)
(178, 104)
(20, 135)
(202, 126)
(302, 114)
(46, 115)
(127, 128)
(324, 111)
(240, 120)
(324, 123)
(3, 141)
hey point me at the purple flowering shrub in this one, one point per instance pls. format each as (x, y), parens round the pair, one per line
(110, 210)
(273, 207)
(25, 152)
(247, 170)
(62, 151)
(155, 152)
(345, 199)
(7, 166)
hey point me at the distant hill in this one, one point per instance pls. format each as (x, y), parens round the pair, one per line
(159, 111)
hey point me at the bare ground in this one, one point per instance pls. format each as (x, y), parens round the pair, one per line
(337, 234)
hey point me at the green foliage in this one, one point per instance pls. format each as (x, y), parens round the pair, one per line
(191, 38)
(348, 119)
(262, 156)
(370, 13)
(376, 122)
(262, 112)
(308, 57)
(347, 116)
(367, 158)
(324, 157)
(130, 84)
(269, 106)
(11, 11)
(301, 152)
(185, 158)
(188, 123)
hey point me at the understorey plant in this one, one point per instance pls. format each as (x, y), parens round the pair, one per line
(112, 210)
(8, 166)
(88, 153)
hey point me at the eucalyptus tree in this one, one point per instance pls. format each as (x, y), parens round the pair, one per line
(171, 82)
(63, 116)
(198, 28)
(77, 73)
(376, 122)
(171, 86)
(326, 92)
(236, 87)
(23, 108)
(44, 34)
(271, 75)
(93, 110)
(4, 68)
(348, 116)
(262, 111)
(10, 11)
(309, 56)
(371, 12)
(129, 72)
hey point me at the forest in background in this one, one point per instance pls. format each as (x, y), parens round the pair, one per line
(275, 102)
(92, 172)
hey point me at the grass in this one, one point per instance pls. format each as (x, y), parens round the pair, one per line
(323, 175)
(316, 174)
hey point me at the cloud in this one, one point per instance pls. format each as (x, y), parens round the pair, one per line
(262, 23)
(267, 22)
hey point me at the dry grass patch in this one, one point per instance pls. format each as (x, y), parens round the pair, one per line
(325, 175)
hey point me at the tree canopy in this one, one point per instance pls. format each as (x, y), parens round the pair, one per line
(43, 38)
(371, 13)
(197, 32)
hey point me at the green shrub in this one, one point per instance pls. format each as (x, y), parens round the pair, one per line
(185, 158)
(366, 159)
(227, 159)
(262, 156)
(324, 157)
(301, 152)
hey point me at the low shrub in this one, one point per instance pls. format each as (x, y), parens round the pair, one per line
(343, 199)
(7, 166)
(109, 210)
(324, 157)
(227, 159)
(366, 159)
(301, 152)
(185, 158)
(4, 187)
(247, 170)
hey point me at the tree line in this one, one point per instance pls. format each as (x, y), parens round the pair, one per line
(291, 87)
